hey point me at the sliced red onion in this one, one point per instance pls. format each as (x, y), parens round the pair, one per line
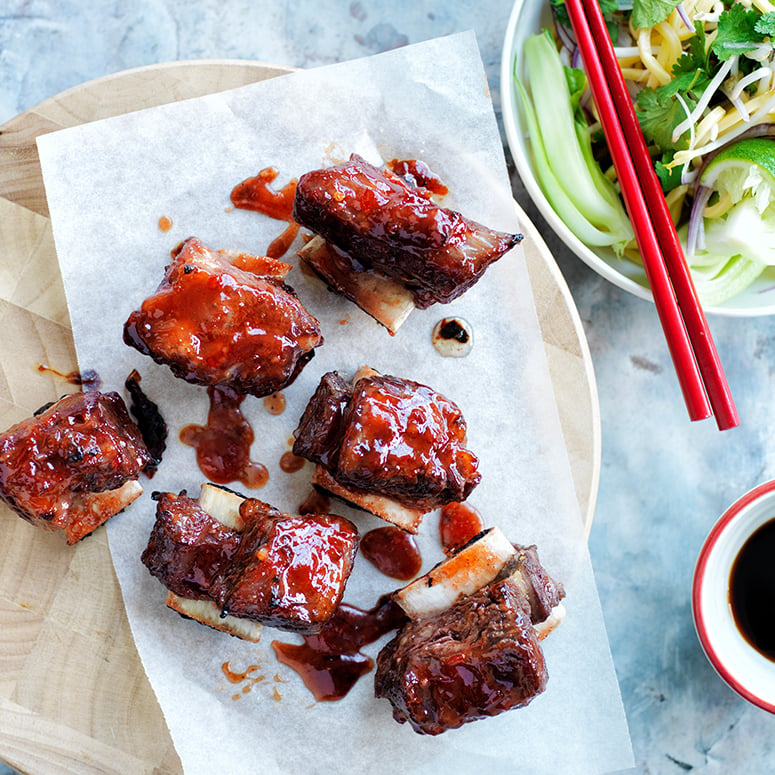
(566, 37)
(575, 59)
(695, 236)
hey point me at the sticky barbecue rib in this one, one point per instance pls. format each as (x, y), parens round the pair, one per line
(372, 220)
(73, 465)
(389, 445)
(471, 647)
(224, 318)
(237, 563)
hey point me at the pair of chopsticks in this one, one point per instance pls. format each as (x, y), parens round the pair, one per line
(689, 341)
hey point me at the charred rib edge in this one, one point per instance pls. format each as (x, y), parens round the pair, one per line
(462, 574)
(222, 505)
(473, 567)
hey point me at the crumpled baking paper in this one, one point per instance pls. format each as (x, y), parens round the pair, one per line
(109, 182)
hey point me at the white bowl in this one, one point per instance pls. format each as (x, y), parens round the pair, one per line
(743, 668)
(527, 18)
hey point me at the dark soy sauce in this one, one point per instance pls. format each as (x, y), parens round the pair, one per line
(752, 590)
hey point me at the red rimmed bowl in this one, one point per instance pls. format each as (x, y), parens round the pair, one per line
(744, 668)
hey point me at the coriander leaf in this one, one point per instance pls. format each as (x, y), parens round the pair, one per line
(648, 13)
(736, 32)
(669, 177)
(765, 25)
(659, 113)
(691, 73)
(697, 54)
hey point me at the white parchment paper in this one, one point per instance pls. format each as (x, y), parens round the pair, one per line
(109, 182)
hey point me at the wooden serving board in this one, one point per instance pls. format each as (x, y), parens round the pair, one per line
(73, 694)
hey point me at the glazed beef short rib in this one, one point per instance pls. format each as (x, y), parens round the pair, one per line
(471, 646)
(73, 465)
(383, 223)
(390, 436)
(223, 318)
(188, 549)
(278, 569)
(479, 658)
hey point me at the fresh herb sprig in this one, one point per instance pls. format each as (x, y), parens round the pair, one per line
(740, 31)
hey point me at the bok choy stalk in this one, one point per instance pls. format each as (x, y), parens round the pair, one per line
(569, 176)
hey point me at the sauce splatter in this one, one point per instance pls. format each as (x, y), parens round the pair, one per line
(248, 677)
(453, 337)
(257, 194)
(290, 463)
(330, 663)
(459, 523)
(165, 223)
(392, 551)
(88, 379)
(223, 445)
(275, 403)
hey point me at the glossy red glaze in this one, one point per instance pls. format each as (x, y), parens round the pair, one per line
(223, 445)
(330, 663)
(257, 194)
(399, 432)
(225, 318)
(384, 223)
(62, 467)
(458, 524)
(392, 551)
(292, 569)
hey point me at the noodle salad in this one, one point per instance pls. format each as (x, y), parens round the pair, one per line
(702, 77)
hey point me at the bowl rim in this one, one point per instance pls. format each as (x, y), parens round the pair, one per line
(597, 263)
(698, 581)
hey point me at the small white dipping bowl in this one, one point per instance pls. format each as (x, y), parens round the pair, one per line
(527, 18)
(743, 668)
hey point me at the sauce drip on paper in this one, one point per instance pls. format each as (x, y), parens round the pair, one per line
(257, 194)
(274, 403)
(223, 445)
(330, 663)
(290, 463)
(152, 426)
(459, 523)
(88, 379)
(453, 337)
(392, 551)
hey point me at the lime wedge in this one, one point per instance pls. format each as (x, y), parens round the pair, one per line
(744, 168)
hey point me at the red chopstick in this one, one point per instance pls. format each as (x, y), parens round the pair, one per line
(688, 336)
